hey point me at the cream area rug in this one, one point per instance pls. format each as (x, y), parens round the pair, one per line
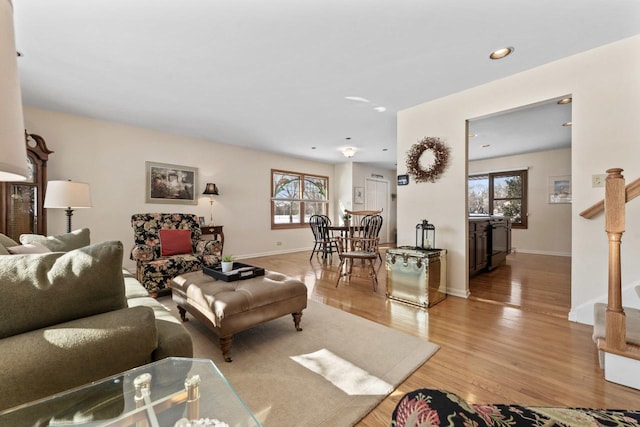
(332, 373)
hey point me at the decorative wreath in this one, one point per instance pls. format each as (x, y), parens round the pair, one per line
(441, 156)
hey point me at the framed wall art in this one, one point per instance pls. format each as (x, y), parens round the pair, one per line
(358, 194)
(171, 184)
(560, 189)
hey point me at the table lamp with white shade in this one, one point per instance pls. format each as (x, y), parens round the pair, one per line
(67, 195)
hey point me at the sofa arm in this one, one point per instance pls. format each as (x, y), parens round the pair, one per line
(53, 359)
(209, 247)
(142, 253)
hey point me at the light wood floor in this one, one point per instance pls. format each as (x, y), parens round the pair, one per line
(489, 353)
(539, 283)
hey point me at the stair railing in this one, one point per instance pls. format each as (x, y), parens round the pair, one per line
(616, 196)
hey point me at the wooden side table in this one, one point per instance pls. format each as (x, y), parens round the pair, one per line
(215, 230)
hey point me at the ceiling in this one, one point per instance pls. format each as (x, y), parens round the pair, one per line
(273, 75)
(526, 129)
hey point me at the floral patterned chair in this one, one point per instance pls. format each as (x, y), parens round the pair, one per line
(167, 245)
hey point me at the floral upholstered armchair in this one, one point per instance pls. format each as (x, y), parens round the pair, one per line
(167, 245)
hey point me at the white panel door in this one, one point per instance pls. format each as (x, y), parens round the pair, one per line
(376, 198)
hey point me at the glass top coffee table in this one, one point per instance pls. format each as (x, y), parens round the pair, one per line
(175, 391)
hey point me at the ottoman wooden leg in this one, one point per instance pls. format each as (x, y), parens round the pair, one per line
(225, 345)
(296, 320)
(183, 314)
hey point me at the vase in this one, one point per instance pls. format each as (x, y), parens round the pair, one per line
(226, 266)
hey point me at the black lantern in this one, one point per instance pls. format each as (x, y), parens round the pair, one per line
(425, 235)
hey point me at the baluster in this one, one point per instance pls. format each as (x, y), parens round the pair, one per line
(615, 320)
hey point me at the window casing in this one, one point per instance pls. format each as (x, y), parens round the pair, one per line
(295, 197)
(499, 194)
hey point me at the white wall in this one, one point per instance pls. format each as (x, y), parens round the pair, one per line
(111, 158)
(343, 173)
(605, 88)
(549, 225)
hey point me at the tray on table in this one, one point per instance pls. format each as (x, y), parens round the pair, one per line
(240, 271)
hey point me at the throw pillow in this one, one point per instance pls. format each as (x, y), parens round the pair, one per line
(29, 248)
(175, 242)
(41, 290)
(6, 241)
(62, 243)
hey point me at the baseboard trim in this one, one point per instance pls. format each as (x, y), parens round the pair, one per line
(536, 252)
(461, 293)
(281, 252)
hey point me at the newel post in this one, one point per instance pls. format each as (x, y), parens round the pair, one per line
(615, 198)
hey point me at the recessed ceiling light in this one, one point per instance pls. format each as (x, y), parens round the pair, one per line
(485, 145)
(501, 53)
(313, 148)
(356, 98)
(567, 124)
(473, 135)
(565, 101)
(385, 149)
(380, 109)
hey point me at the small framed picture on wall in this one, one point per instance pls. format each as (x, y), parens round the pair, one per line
(201, 221)
(560, 189)
(358, 194)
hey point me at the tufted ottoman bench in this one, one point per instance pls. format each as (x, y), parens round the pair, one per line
(230, 307)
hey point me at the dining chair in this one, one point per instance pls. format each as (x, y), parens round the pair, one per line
(358, 216)
(323, 241)
(363, 245)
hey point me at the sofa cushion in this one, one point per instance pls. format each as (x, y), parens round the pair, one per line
(4, 242)
(175, 242)
(47, 361)
(29, 248)
(41, 290)
(62, 243)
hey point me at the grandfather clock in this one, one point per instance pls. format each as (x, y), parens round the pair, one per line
(21, 209)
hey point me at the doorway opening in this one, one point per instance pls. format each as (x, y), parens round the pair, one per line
(536, 274)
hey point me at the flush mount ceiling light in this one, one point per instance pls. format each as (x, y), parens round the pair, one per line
(473, 135)
(349, 152)
(501, 53)
(565, 101)
(380, 109)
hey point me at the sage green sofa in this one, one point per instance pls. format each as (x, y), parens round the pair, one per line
(70, 318)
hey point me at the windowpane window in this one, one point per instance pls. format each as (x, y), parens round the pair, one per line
(295, 197)
(500, 194)
(479, 195)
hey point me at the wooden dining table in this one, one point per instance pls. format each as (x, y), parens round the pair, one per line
(344, 229)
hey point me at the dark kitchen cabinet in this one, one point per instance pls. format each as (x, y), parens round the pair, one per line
(489, 243)
(478, 245)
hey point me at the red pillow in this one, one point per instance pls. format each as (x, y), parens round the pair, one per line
(175, 242)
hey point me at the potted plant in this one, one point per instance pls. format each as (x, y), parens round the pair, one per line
(346, 218)
(227, 263)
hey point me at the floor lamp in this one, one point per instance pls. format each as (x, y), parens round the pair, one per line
(13, 161)
(211, 190)
(67, 195)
